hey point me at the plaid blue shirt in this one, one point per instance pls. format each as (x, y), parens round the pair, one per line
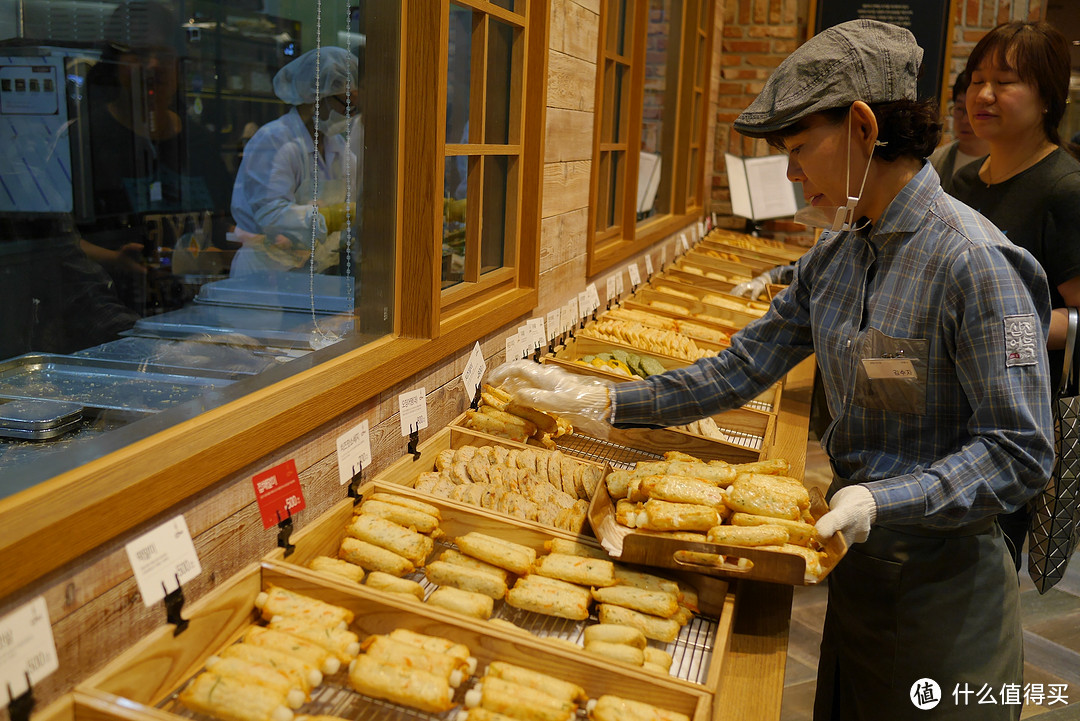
(933, 283)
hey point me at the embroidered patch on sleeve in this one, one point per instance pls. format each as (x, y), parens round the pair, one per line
(1021, 340)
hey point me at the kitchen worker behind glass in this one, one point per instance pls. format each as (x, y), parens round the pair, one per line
(929, 327)
(273, 195)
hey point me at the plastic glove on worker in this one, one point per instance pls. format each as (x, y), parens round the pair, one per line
(585, 402)
(335, 214)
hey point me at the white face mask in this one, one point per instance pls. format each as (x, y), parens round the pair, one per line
(335, 123)
(843, 217)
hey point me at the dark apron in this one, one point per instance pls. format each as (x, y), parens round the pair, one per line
(913, 603)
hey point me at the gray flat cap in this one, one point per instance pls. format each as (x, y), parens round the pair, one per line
(864, 60)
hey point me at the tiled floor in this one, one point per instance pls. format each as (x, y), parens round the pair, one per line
(1051, 633)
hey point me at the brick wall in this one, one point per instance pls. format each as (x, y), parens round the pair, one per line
(759, 34)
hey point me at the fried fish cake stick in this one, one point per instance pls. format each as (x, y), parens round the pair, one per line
(468, 603)
(398, 653)
(512, 556)
(616, 651)
(654, 627)
(393, 584)
(414, 688)
(628, 577)
(613, 708)
(665, 516)
(799, 532)
(654, 603)
(344, 644)
(406, 517)
(575, 569)
(295, 646)
(520, 702)
(575, 548)
(770, 467)
(764, 535)
(564, 690)
(277, 601)
(747, 497)
(615, 633)
(373, 558)
(683, 489)
(467, 579)
(407, 503)
(249, 672)
(482, 714)
(551, 597)
(337, 567)
(231, 699)
(658, 658)
(303, 675)
(389, 535)
(460, 559)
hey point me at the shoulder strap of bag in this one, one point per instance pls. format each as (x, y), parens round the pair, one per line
(1070, 347)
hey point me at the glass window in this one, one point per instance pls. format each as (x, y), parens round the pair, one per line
(198, 196)
(656, 109)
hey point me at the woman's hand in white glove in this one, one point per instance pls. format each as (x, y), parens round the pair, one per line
(752, 289)
(853, 511)
(584, 401)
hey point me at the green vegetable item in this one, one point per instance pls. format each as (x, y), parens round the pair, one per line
(651, 366)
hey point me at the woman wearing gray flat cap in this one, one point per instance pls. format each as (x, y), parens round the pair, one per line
(929, 327)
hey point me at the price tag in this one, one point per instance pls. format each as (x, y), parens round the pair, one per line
(700, 230)
(612, 291)
(594, 297)
(513, 348)
(354, 451)
(619, 284)
(159, 556)
(278, 493)
(554, 323)
(663, 257)
(567, 314)
(26, 647)
(412, 407)
(474, 370)
(583, 304)
(536, 328)
(575, 314)
(524, 334)
(685, 242)
(648, 265)
(714, 219)
(635, 275)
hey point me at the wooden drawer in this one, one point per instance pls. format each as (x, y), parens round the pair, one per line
(146, 678)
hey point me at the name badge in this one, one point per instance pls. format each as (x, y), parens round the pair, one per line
(882, 368)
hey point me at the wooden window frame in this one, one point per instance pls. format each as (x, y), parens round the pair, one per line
(63, 518)
(685, 131)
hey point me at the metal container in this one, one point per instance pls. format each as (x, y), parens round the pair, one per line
(242, 326)
(38, 419)
(282, 291)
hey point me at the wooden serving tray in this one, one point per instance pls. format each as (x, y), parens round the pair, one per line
(776, 256)
(650, 549)
(696, 310)
(786, 251)
(683, 286)
(145, 678)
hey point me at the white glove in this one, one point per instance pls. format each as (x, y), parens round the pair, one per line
(584, 401)
(853, 512)
(752, 289)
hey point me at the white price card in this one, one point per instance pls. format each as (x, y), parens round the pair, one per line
(27, 648)
(161, 556)
(513, 348)
(554, 323)
(575, 312)
(353, 452)
(612, 290)
(568, 320)
(594, 297)
(412, 407)
(700, 230)
(663, 257)
(635, 275)
(685, 242)
(714, 219)
(583, 304)
(648, 265)
(474, 370)
(525, 346)
(619, 284)
(536, 331)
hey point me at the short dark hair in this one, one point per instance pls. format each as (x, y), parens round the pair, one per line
(1039, 54)
(961, 84)
(905, 127)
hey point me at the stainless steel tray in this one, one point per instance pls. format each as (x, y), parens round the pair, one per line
(240, 326)
(283, 291)
(137, 388)
(184, 354)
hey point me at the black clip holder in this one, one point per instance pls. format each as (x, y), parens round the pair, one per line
(536, 353)
(414, 438)
(19, 707)
(285, 529)
(354, 483)
(475, 404)
(174, 602)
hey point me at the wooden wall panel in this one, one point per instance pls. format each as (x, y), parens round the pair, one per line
(565, 185)
(571, 82)
(569, 135)
(562, 238)
(582, 27)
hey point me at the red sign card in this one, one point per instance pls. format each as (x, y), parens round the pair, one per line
(278, 492)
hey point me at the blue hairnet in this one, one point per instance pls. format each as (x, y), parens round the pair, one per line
(295, 83)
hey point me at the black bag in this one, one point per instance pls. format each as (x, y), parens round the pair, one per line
(1054, 530)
